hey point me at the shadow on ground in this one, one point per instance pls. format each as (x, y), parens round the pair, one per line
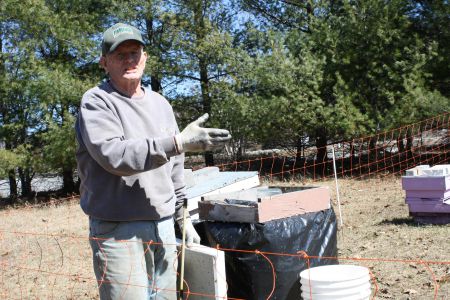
(401, 221)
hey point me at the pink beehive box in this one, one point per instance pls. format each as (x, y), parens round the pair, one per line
(425, 186)
(427, 183)
(427, 206)
(428, 193)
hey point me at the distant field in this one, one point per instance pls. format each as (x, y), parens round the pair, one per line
(44, 252)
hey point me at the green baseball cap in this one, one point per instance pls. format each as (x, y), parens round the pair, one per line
(117, 34)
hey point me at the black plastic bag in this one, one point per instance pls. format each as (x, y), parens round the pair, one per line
(250, 275)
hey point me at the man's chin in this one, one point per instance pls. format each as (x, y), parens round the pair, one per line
(131, 77)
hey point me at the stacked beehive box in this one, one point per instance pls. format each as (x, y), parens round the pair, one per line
(263, 204)
(428, 193)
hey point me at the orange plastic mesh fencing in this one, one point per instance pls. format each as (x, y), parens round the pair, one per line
(386, 153)
(58, 266)
(45, 253)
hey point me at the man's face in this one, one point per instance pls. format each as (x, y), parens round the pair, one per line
(126, 63)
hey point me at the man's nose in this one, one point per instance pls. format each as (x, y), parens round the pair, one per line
(129, 57)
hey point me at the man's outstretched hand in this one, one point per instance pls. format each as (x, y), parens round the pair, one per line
(197, 139)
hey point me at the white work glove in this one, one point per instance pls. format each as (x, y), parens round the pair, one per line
(191, 234)
(197, 139)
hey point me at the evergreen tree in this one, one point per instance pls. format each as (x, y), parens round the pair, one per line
(365, 59)
(47, 54)
(431, 21)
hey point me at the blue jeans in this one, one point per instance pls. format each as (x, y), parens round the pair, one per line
(134, 260)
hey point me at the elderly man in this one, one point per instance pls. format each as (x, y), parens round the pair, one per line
(131, 165)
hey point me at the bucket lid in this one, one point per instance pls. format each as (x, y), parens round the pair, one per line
(334, 273)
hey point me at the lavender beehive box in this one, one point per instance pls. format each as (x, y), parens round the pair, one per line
(426, 183)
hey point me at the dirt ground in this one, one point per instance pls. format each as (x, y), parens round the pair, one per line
(44, 251)
(407, 260)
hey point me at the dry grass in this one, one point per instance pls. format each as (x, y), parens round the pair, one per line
(408, 260)
(45, 252)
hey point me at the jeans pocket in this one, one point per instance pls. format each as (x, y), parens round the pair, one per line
(100, 228)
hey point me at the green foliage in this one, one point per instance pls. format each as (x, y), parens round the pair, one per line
(58, 152)
(367, 49)
(23, 156)
(430, 20)
(46, 54)
(275, 73)
(417, 103)
(8, 161)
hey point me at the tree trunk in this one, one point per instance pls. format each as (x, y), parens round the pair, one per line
(299, 148)
(204, 82)
(400, 145)
(13, 195)
(240, 150)
(321, 144)
(352, 151)
(77, 185)
(25, 181)
(372, 152)
(203, 71)
(68, 184)
(155, 79)
(155, 84)
(409, 144)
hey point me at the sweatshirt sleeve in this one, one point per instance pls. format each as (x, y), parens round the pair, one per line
(103, 137)
(179, 183)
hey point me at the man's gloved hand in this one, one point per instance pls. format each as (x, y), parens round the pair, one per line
(191, 234)
(196, 139)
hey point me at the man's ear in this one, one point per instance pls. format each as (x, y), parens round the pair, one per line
(102, 63)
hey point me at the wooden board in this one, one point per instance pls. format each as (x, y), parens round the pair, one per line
(219, 183)
(416, 170)
(219, 210)
(204, 272)
(438, 170)
(266, 209)
(251, 194)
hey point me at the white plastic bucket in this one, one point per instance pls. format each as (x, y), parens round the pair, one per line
(341, 291)
(362, 295)
(336, 282)
(326, 287)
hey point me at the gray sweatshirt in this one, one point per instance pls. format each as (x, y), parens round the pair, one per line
(127, 160)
